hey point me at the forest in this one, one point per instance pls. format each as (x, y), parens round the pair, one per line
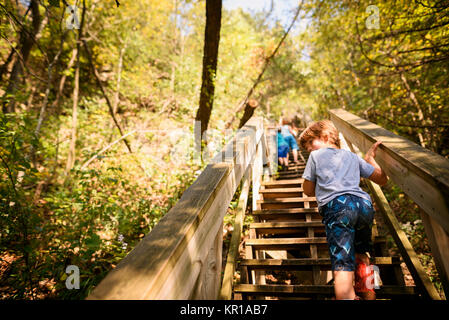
(99, 100)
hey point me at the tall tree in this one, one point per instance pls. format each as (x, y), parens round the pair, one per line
(71, 155)
(210, 57)
(26, 42)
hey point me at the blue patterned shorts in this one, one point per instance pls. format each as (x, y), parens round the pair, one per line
(348, 220)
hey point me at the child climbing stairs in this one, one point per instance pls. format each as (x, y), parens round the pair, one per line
(287, 254)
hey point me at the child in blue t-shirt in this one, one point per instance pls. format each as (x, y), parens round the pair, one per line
(283, 149)
(333, 176)
(290, 137)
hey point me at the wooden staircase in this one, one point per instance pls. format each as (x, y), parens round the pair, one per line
(287, 254)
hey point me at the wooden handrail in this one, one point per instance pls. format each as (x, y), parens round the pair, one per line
(181, 257)
(423, 175)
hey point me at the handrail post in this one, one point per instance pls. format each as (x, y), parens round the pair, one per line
(271, 143)
(256, 174)
(439, 245)
(208, 283)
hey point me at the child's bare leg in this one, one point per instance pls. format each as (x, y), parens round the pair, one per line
(295, 155)
(343, 285)
(281, 161)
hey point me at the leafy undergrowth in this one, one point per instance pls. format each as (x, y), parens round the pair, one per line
(92, 225)
(90, 218)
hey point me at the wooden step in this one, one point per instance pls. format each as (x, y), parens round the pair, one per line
(312, 290)
(284, 243)
(283, 183)
(281, 192)
(293, 169)
(308, 263)
(287, 227)
(279, 203)
(296, 166)
(288, 176)
(286, 224)
(285, 211)
(287, 200)
(287, 214)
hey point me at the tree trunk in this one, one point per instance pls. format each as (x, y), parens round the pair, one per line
(211, 42)
(117, 88)
(249, 111)
(4, 67)
(119, 78)
(72, 149)
(71, 156)
(62, 81)
(27, 38)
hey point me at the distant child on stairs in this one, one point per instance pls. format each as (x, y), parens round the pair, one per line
(290, 137)
(333, 176)
(283, 149)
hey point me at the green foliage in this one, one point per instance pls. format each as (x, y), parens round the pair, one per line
(19, 223)
(392, 75)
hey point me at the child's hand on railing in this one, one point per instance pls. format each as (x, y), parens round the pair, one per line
(378, 176)
(371, 153)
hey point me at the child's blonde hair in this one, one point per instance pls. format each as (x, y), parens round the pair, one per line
(319, 130)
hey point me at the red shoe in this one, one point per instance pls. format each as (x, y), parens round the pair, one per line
(364, 277)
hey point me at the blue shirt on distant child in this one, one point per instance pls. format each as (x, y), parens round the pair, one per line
(283, 147)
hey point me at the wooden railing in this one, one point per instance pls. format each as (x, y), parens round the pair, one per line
(181, 257)
(422, 175)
